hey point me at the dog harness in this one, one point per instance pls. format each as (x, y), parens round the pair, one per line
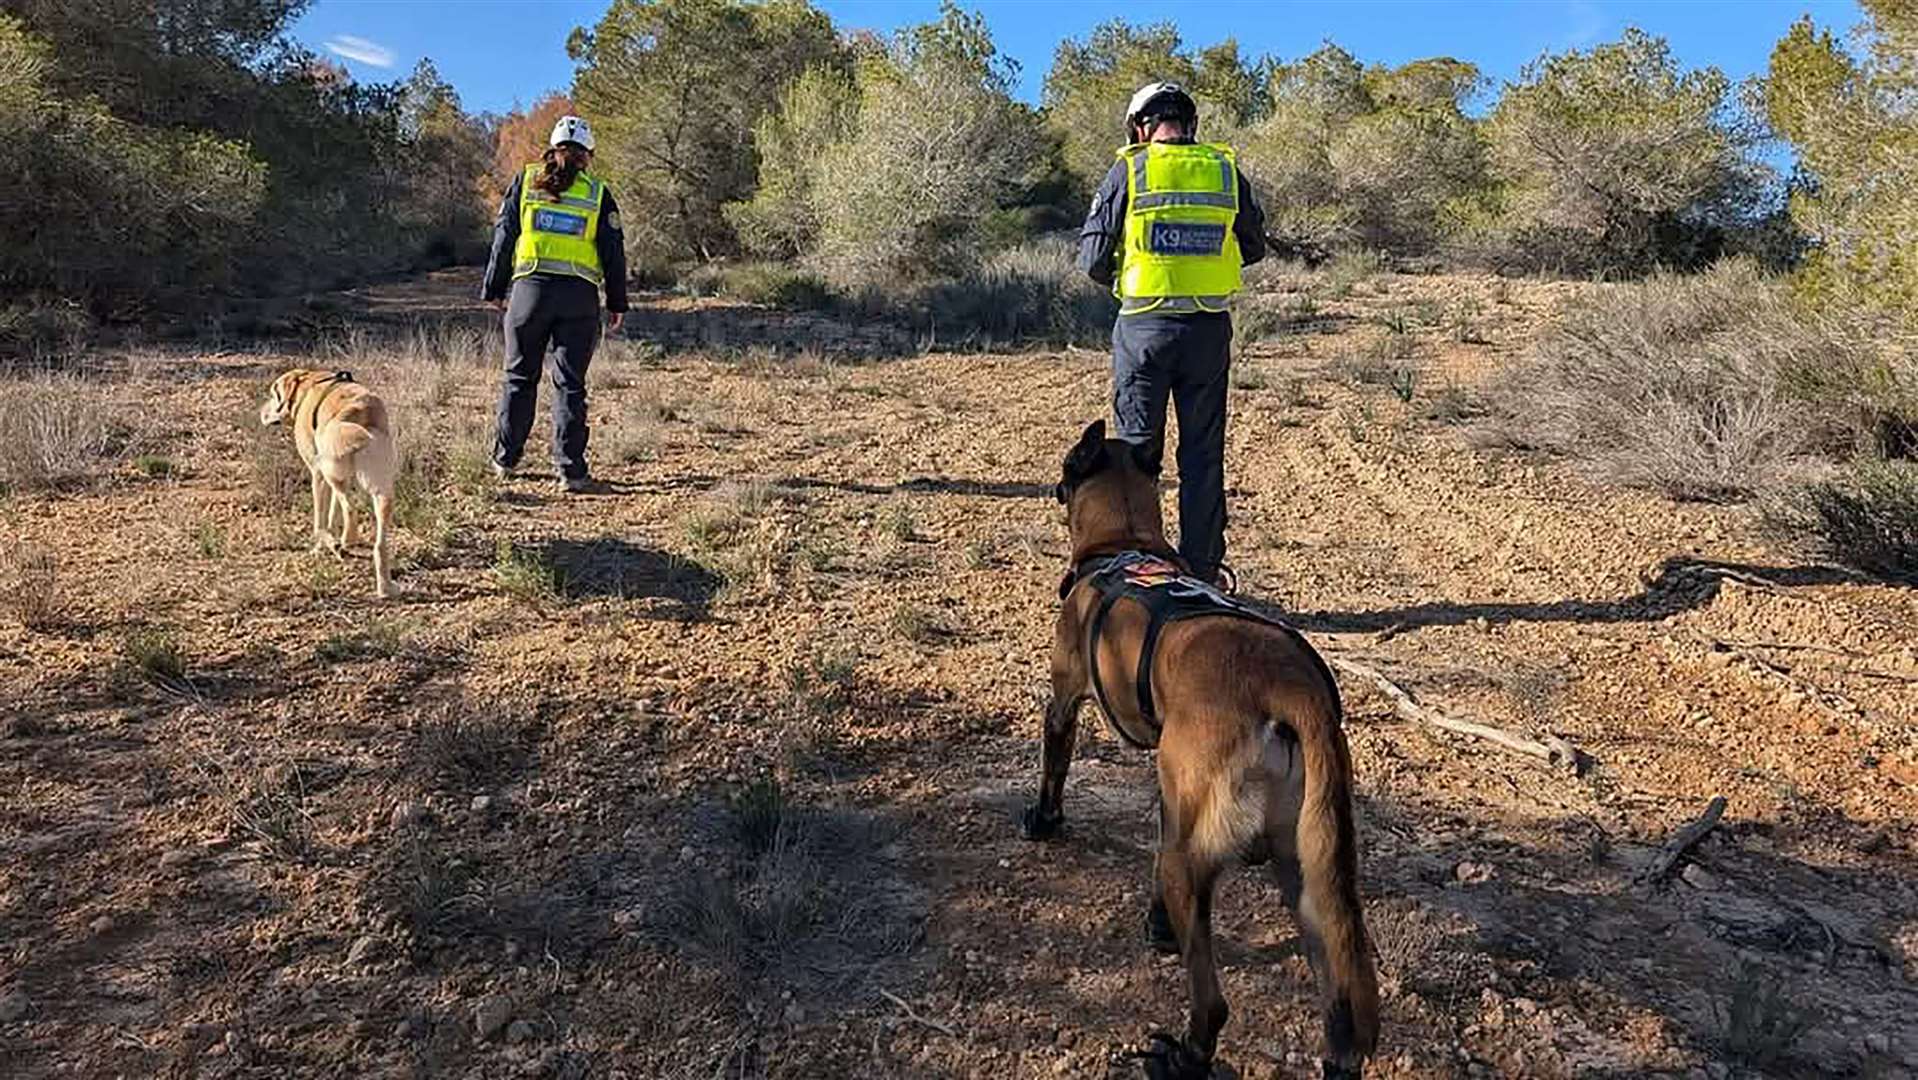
(1169, 595)
(331, 383)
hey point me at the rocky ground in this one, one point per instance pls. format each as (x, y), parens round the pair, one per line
(713, 775)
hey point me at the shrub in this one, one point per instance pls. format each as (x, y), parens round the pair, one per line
(938, 144)
(1616, 160)
(1866, 518)
(1683, 384)
(30, 586)
(527, 574)
(56, 429)
(1029, 293)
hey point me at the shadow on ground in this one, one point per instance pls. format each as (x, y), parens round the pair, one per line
(618, 569)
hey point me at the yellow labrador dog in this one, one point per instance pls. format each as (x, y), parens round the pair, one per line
(341, 432)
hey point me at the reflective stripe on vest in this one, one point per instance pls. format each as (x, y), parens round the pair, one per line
(1179, 253)
(559, 235)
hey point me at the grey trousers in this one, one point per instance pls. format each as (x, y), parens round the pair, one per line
(1185, 358)
(562, 312)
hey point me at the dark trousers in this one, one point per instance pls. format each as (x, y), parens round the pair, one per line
(562, 312)
(1185, 358)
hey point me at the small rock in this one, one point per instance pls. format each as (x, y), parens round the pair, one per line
(1525, 1005)
(519, 1031)
(491, 1015)
(13, 1006)
(1005, 864)
(364, 949)
(407, 814)
(1878, 1043)
(177, 858)
(103, 925)
(482, 803)
(1474, 873)
(1700, 878)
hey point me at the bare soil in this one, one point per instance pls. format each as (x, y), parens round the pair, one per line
(714, 774)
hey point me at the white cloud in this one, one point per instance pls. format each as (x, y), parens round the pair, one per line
(366, 52)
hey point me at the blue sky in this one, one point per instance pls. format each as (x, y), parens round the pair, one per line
(501, 52)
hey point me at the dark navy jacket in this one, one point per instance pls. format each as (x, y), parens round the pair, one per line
(611, 243)
(1104, 231)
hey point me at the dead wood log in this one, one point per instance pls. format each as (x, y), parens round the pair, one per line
(1683, 841)
(1545, 747)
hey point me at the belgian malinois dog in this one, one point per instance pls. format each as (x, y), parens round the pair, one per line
(342, 435)
(1253, 764)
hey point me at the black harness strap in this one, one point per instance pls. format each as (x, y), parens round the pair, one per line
(1166, 600)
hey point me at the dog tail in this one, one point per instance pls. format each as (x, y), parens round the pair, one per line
(1329, 864)
(372, 455)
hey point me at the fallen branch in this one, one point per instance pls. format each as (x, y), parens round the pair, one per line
(1683, 841)
(945, 1029)
(1548, 748)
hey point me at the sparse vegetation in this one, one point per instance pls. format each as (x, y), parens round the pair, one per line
(1760, 1022)
(378, 638)
(527, 574)
(30, 586)
(56, 429)
(464, 744)
(1690, 385)
(1865, 518)
(154, 653)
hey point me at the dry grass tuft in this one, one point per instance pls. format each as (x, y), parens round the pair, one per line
(57, 429)
(805, 902)
(30, 586)
(1687, 385)
(465, 745)
(1760, 1023)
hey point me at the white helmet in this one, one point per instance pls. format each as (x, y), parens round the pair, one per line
(572, 129)
(1164, 93)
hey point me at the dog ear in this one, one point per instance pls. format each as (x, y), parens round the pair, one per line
(1085, 459)
(1149, 456)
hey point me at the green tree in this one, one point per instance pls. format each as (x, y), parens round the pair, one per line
(110, 215)
(782, 219)
(1615, 159)
(1288, 154)
(1090, 82)
(675, 89)
(449, 163)
(1853, 121)
(938, 146)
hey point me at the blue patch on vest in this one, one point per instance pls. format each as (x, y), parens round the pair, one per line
(1174, 238)
(555, 221)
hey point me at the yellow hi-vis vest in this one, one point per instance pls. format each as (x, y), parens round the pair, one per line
(558, 236)
(1179, 253)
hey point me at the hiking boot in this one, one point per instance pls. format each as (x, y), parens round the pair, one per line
(582, 485)
(502, 473)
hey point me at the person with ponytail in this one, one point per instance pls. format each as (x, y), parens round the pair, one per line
(556, 245)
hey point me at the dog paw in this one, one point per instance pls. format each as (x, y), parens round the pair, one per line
(1163, 1058)
(1036, 824)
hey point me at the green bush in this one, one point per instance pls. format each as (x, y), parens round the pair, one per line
(1866, 518)
(1616, 160)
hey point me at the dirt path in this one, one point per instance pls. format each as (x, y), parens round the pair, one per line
(714, 775)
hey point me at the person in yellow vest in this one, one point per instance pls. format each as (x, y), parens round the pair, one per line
(1170, 227)
(556, 245)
